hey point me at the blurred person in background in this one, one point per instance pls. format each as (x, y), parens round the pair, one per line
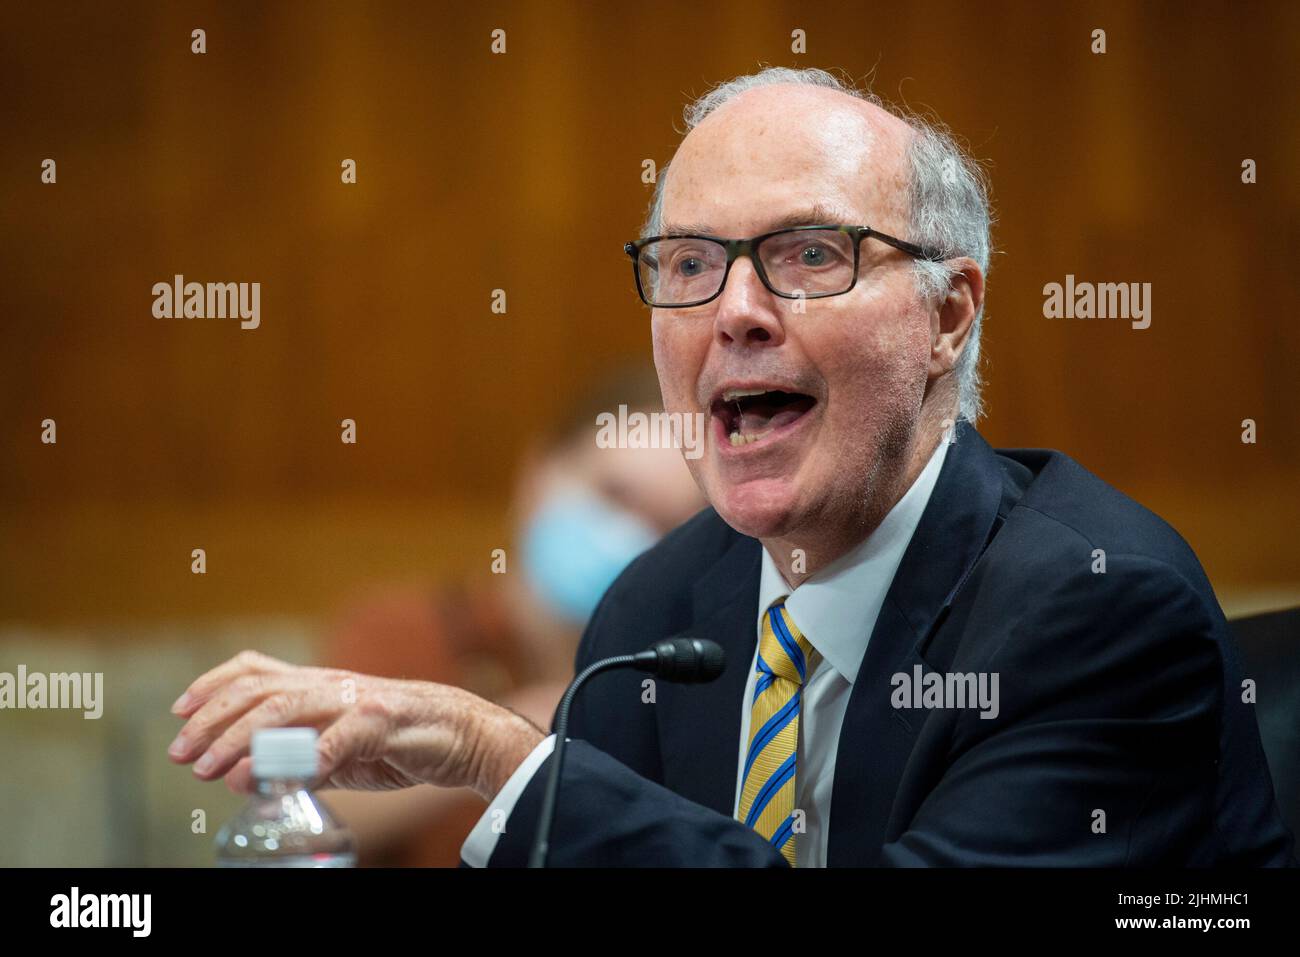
(580, 514)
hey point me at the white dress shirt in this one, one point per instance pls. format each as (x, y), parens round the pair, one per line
(836, 609)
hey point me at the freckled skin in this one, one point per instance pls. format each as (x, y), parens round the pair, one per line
(879, 359)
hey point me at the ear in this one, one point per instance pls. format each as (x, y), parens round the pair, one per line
(952, 318)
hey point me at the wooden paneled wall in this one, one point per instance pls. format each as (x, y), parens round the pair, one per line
(478, 172)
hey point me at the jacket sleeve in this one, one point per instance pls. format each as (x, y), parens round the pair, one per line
(610, 816)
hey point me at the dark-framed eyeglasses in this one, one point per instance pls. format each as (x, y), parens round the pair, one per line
(804, 262)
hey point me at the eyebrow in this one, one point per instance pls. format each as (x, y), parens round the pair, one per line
(818, 214)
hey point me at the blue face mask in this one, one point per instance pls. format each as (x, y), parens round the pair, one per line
(575, 545)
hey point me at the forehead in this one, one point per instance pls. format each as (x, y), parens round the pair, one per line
(785, 156)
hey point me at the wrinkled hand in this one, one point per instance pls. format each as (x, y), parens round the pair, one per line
(375, 733)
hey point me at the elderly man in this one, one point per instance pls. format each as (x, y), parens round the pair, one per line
(937, 654)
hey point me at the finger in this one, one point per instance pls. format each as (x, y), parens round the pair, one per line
(207, 684)
(240, 778)
(359, 735)
(313, 706)
(233, 700)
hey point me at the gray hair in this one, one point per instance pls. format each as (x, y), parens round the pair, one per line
(947, 199)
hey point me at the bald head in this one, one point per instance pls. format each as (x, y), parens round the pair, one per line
(848, 154)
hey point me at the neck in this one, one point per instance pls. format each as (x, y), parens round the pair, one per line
(815, 545)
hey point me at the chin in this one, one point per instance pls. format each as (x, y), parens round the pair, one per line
(764, 508)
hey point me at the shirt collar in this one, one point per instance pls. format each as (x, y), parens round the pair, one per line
(836, 609)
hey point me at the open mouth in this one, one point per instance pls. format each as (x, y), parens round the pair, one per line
(751, 415)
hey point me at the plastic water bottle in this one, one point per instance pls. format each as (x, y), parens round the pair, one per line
(285, 824)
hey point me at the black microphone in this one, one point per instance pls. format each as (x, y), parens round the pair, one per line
(683, 660)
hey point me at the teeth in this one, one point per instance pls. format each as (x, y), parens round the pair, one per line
(739, 439)
(732, 395)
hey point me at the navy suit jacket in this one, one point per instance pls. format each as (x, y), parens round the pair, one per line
(1122, 737)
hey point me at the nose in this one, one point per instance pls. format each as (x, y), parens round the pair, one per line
(747, 313)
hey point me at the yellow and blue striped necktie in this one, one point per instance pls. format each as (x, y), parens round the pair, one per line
(785, 659)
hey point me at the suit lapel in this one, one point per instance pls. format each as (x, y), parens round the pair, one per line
(699, 724)
(876, 739)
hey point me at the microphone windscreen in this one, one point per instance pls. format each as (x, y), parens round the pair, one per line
(690, 660)
(712, 660)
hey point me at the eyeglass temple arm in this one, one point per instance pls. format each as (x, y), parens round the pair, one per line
(912, 249)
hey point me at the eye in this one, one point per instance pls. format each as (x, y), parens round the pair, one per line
(688, 263)
(810, 251)
(814, 254)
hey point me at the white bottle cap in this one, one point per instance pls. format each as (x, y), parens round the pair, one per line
(284, 753)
